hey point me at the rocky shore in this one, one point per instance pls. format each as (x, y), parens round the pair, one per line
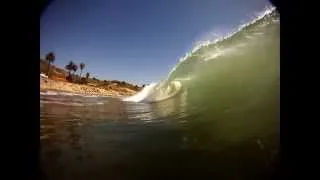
(48, 84)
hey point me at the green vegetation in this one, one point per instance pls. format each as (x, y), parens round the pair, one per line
(69, 74)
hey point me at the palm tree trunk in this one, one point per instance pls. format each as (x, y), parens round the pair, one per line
(69, 75)
(48, 69)
(80, 73)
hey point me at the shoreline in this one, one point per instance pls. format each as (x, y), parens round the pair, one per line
(83, 89)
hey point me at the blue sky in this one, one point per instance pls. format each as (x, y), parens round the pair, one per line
(138, 41)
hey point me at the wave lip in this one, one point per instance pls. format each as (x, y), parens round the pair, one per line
(267, 11)
(170, 91)
(156, 92)
(142, 94)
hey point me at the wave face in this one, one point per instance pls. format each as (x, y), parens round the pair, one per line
(245, 59)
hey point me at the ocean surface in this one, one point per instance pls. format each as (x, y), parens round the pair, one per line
(215, 116)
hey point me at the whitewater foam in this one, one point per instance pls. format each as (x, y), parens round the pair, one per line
(142, 94)
(172, 90)
(58, 93)
(156, 92)
(42, 102)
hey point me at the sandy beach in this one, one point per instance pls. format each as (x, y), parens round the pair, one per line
(53, 85)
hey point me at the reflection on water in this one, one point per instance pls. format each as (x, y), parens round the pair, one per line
(105, 138)
(155, 112)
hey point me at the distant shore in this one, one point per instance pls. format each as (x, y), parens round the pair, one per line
(54, 85)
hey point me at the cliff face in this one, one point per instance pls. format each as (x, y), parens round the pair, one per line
(55, 72)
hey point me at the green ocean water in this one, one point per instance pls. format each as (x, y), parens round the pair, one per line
(216, 115)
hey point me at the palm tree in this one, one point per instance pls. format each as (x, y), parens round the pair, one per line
(69, 66)
(50, 57)
(87, 75)
(74, 68)
(82, 65)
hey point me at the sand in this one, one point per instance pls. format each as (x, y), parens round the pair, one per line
(53, 85)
